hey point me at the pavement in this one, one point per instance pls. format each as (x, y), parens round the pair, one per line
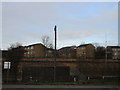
(58, 87)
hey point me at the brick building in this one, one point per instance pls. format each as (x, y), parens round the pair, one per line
(85, 51)
(35, 50)
(4, 53)
(67, 52)
(113, 52)
(42, 69)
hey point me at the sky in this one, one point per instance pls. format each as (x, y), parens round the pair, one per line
(77, 23)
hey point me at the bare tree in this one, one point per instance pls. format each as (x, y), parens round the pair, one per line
(96, 44)
(17, 44)
(46, 41)
(51, 45)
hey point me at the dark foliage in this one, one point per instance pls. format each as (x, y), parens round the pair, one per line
(15, 53)
(100, 53)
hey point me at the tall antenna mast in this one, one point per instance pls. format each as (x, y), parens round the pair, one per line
(106, 46)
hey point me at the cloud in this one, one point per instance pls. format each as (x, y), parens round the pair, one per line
(92, 28)
(25, 22)
(76, 22)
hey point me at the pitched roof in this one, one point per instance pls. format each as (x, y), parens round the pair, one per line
(113, 46)
(69, 47)
(34, 45)
(84, 45)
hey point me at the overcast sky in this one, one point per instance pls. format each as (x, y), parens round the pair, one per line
(77, 23)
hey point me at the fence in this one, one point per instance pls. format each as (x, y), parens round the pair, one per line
(61, 70)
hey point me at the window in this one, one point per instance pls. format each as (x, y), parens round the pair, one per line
(32, 47)
(83, 47)
(84, 53)
(114, 49)
(28, 47)
(115, 53)
(7, 65)
(28, 52)
(49, 51)
(31, 52)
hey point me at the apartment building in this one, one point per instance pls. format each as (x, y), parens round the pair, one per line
(35, 50)
(49, 53)
(67, 52)
(113, 52)
(85, 51)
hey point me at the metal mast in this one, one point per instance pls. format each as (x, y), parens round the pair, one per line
(55, 29)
